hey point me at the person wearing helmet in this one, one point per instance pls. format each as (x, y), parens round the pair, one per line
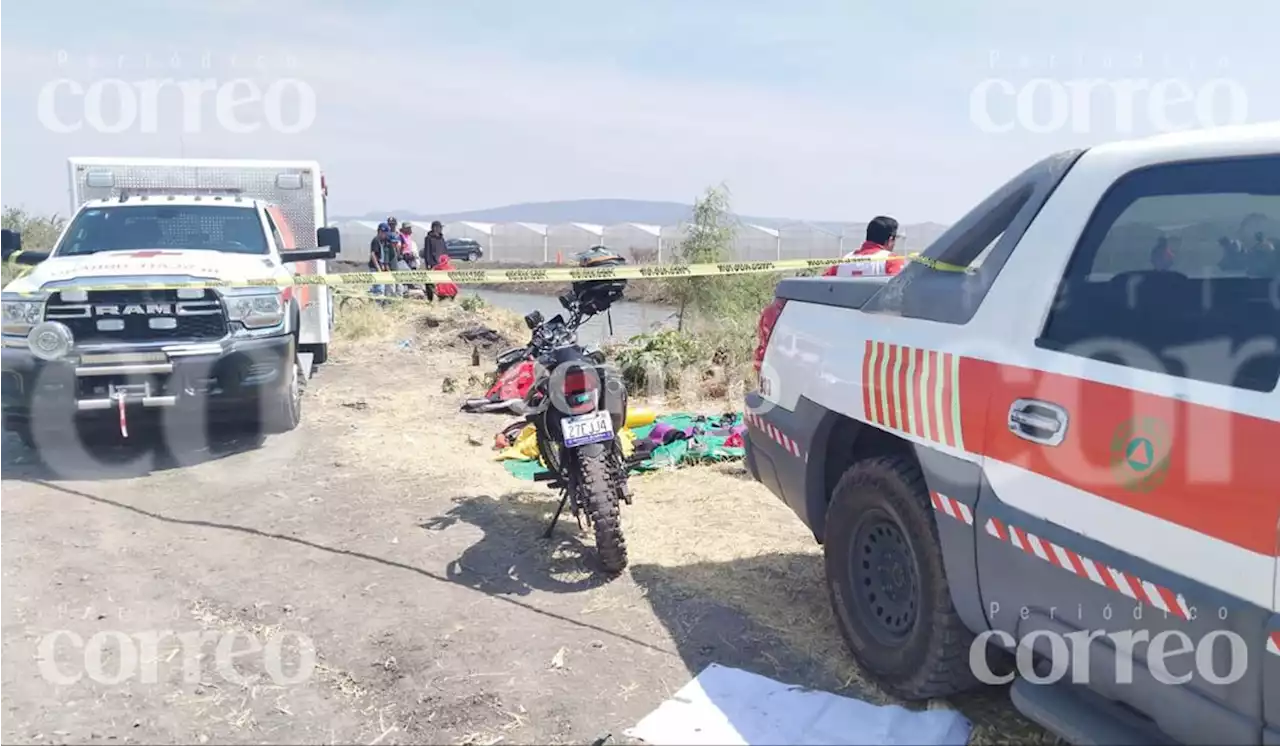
(875, 256)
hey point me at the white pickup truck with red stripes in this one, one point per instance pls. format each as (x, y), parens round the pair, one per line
(1069, 451)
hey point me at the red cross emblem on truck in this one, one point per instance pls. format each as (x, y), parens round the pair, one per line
(150, 253)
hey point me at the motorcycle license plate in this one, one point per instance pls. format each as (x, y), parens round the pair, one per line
(587, 428)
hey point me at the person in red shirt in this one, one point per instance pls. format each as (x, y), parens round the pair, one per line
(875, 256)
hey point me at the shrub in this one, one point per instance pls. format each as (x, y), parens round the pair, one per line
(655, 361)
(38, 234)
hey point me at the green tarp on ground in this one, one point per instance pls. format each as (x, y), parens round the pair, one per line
(705, 445)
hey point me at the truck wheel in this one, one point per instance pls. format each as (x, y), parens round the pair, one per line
(25, 435)
(887, 583)
(283, 411)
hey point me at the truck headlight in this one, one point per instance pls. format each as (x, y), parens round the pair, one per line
(21, 315)
(257, 310)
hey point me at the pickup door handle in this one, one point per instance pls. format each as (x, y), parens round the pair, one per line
(1038, 421)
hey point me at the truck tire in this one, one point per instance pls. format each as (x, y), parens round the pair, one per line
(887, 583)
(282, 411)
(600, 499)
(25, 435)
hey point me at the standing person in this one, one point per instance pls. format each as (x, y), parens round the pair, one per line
(1261, 259)
(381, 258)
(396, 258)
(1233, 255)
(433, 248)
(410, 246)
(408, 251)
(875, 256)
(1162, 254)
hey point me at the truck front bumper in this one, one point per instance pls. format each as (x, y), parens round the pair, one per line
(226, 378)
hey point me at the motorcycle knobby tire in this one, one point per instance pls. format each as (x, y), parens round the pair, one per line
(600, 500)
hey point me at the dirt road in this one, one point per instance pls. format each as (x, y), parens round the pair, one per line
(380, 544)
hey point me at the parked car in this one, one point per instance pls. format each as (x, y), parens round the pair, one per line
(466, 249)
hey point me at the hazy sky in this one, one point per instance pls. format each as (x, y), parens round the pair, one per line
(809, 109)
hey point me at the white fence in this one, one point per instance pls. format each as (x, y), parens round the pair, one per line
(535, 243)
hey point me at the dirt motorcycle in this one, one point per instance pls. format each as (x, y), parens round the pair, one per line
(577, 405)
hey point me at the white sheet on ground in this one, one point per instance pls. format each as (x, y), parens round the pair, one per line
(728, 706)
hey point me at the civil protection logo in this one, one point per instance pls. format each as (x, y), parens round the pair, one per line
(1140, 453)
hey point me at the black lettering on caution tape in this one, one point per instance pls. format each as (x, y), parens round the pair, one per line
(739, 267)
(592, 274)
(357, 278)
(525, 275)
(673, 271)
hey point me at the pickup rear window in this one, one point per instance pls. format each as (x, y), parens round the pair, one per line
(236, 229)
(1178, 272)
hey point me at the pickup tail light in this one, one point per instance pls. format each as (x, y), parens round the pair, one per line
(764, 330)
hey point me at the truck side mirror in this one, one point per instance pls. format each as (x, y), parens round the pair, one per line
(329, 238)
(10, 243)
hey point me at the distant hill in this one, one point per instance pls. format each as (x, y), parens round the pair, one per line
(614, 211)
(602, 211)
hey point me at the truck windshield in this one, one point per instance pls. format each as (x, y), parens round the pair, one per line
(231, 228)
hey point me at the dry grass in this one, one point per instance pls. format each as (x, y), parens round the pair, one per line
(710, 531)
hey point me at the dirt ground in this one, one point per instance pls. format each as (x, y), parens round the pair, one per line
(382, 539)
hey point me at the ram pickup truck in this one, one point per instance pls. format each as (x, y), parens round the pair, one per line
(1070, 449)
(92, 335)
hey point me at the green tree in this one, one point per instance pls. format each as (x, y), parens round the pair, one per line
(38, 232)
(710, 240)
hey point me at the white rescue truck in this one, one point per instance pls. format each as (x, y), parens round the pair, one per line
(1067, 448)
(74, 353)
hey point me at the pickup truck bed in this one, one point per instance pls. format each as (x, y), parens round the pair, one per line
(834, 292)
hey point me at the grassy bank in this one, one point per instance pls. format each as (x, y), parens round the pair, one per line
(697, 368)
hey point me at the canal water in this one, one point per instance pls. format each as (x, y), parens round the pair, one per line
(629, 317)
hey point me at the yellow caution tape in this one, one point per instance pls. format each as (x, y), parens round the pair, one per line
(13, 264)
(523, 274)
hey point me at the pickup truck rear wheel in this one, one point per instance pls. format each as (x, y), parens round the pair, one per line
(887, 583)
